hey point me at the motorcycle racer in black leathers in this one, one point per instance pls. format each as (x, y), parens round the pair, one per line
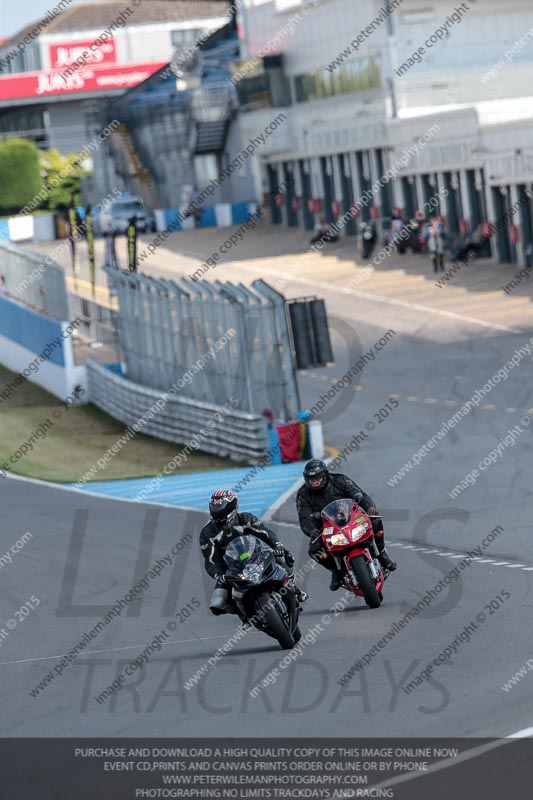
(321, 488)
(227, 523)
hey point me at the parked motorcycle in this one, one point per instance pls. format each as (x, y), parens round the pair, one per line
(260, 588)
(348, 536)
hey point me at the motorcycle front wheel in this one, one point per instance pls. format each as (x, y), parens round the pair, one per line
(365, 582)
(271, 617)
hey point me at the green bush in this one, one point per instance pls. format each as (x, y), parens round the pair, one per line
(62, 174)
(20, 174)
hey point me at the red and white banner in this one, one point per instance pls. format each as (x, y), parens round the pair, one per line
(87, 79)
(63, 54)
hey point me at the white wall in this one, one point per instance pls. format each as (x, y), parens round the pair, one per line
(59, 381)
(486, 31)
(320, 32)
(135, 43)
(509, 153)
(451, 70)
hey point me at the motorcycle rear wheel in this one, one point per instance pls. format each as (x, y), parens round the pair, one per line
(365, 582)
(272, 619)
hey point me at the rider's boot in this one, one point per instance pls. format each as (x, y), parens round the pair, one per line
(386, 561)
(383, 557)
(336, 581)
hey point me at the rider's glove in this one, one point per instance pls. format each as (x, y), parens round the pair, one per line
(372, 512)
(221, 580)
(289, 558)
(279, 551)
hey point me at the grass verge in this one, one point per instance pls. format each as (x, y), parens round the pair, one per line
(78, 438)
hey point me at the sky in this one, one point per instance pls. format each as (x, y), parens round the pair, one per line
(15, 15)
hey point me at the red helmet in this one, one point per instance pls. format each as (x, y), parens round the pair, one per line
(223, 507)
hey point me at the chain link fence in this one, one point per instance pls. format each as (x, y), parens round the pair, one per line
(36, 281)
(97, 322)
(210, 342)
(224, 339)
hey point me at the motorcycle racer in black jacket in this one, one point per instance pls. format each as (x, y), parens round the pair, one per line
(227, 523)
(321, 488)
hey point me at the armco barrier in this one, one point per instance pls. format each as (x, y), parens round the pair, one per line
(41, 228)
(228, 433)
(220, 215)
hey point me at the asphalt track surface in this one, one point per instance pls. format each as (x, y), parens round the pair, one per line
(430, 357)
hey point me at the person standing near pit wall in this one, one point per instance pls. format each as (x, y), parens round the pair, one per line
(436, 243)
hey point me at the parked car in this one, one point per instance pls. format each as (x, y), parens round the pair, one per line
(116, 218)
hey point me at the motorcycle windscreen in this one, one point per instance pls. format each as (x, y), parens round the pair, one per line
(339, 512)
(243, 550)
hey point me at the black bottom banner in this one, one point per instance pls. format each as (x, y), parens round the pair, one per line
(410, 769)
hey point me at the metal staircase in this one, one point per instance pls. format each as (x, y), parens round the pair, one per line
(211, 111)
(166, 122)
(128, 165)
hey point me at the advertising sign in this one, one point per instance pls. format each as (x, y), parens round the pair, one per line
(87, 79)
(63, 54)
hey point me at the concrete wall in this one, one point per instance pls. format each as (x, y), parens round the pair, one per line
(39, 348)
(238, 187)
(40, 228)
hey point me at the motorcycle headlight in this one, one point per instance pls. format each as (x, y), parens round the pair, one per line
(339, 538)
(359, 530)
(252, 573)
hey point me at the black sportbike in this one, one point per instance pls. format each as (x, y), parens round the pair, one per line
(261, 590)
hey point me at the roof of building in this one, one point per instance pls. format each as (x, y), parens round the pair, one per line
(101, 14)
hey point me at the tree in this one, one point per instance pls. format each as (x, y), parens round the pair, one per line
(62, 175)
(20, 175)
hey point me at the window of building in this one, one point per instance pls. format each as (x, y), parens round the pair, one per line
(205, 168)
(357, 76)
(12, 61)
(185, 35)
(28, 123)
(261, 83)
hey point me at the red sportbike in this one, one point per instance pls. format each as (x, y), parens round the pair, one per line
(348, 536)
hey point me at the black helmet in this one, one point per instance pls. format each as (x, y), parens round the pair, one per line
(316, 474)
(223, 506)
